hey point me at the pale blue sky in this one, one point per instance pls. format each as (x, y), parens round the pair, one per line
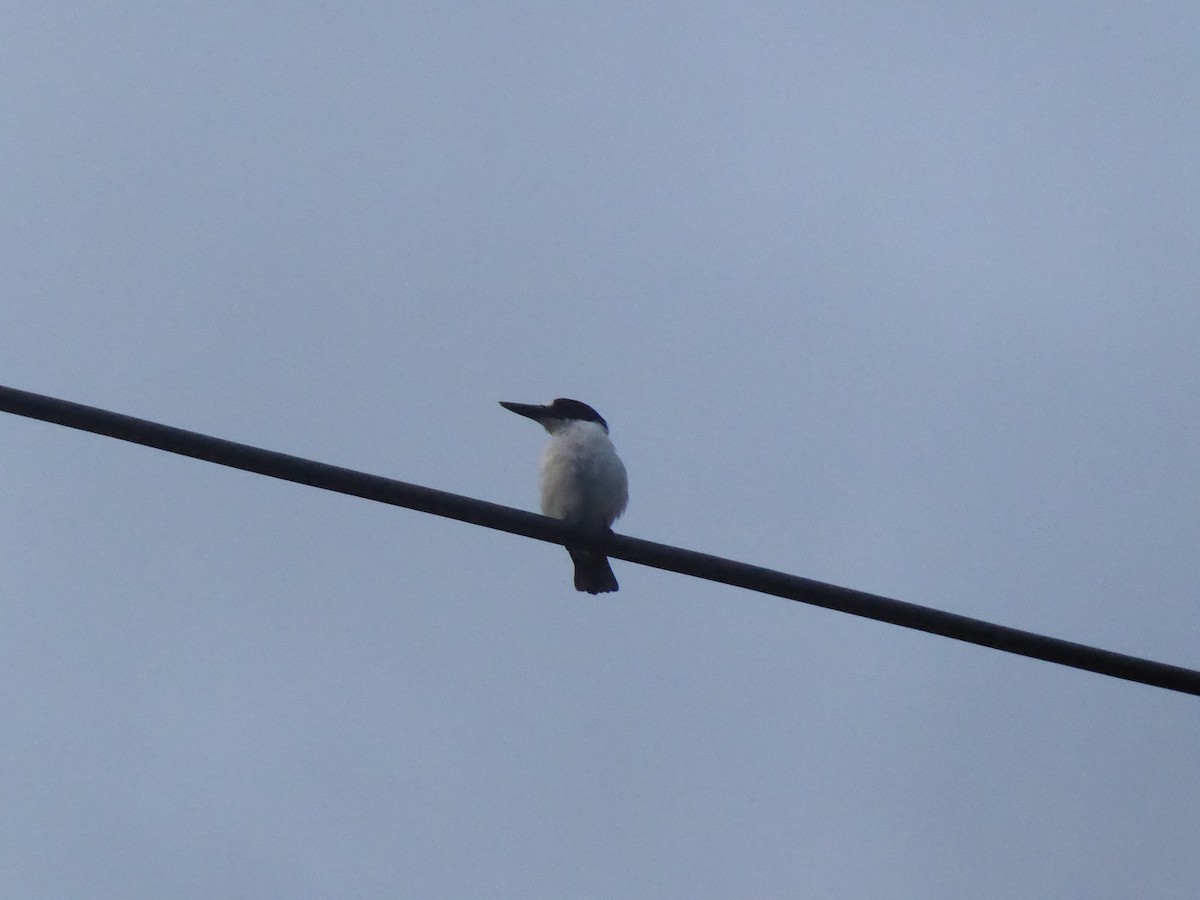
(903, 297)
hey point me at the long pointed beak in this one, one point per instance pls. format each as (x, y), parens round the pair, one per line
(528, 410)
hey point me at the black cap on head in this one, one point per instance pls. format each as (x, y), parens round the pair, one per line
(562, 408)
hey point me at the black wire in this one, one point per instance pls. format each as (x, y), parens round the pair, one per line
(648, 553)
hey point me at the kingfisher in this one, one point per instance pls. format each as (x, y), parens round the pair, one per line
(583, 481)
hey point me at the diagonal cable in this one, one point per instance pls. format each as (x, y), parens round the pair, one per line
(648, 553)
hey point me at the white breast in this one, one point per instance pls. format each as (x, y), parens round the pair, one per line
(583, 479)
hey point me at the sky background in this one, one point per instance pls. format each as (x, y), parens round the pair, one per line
(898, 296)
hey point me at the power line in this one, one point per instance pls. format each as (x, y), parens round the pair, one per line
(648, 553)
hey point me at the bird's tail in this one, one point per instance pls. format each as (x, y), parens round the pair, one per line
(593, 574)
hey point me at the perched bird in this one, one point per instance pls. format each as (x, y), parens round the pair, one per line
(583, 480)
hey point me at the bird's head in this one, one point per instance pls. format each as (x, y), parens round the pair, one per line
(557, 415)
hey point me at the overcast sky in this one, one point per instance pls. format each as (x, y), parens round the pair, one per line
(898, 296)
